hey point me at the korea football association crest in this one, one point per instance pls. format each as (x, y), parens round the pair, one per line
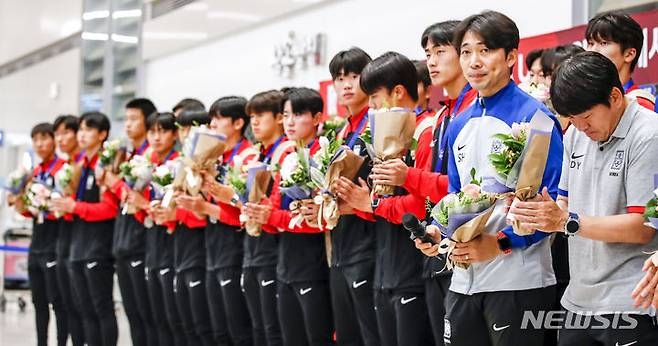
(496, 146)
(618, 162)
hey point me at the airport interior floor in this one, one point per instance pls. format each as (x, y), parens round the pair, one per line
(17, 327)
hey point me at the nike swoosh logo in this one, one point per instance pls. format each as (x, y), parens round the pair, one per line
(628, 344)
(195, 283)
(91, 265)
(135, 264)
(51, 264)
(266, 283)
(358, 284)
(224, 283)
(574, 156)
(459, 148)
(164, 271)
(407, 301)
(497, 329)
(303, 291)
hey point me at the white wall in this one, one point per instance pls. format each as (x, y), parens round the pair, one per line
(241, 64)
(25, 96)
(28, 25)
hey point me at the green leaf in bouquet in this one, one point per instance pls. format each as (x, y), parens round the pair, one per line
(414, 144)
(331, 127)
(125, 170)
(236, 181)
(650, 210)
(366, 137)
(473, 179)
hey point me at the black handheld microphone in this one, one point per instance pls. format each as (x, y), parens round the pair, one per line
(417, 229)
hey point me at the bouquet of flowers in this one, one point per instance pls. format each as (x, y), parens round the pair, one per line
(37, 199)
(539, 91)
(333, 161)
(112, 156)
(521, 161)
(67, 179)
(296, 174)
(296, 181)
(258, 180)
(236, 178)
(391, 132)
(651, 210)
(200, 152)
(137, 173)
(462, 216)
(330, 128)
(162, 181)
(17, 180)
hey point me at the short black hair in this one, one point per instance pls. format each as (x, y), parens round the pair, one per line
(70, 122)
(582, 82)
(192, 117)
(234, 107)
(96, 120)
(145, 105)
(553, 57)
(422, 73)
(496, 30)
(266, 101)
(304, 100)
(439, 33)
(43, 129)
(189, 103)
(166, 121)
(617, 27)
(532, 56)
(348, 61)
(387, 71)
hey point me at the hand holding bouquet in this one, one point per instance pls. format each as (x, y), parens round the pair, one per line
(258, 180)
(462, 216)
(296, 181)
(333, 161)
(112, 156)
(391, 132)
(137, 174)
(37, 199)
(521, 162)
(201, 150)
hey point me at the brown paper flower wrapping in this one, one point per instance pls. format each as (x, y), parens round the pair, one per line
(203, 158)
(256, 194)
(346, 164)
(533, 163)
(392, 134)
(464, 233)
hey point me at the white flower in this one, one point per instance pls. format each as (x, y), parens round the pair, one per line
(237, 161)
(289, 166)
(162, 171)
(519, 129)
(324, 142)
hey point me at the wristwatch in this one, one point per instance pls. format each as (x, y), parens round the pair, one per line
(572, 226)
(375, 203)
(234, 200)
(504, 244)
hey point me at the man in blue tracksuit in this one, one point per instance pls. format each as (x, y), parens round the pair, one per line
(508, 274)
